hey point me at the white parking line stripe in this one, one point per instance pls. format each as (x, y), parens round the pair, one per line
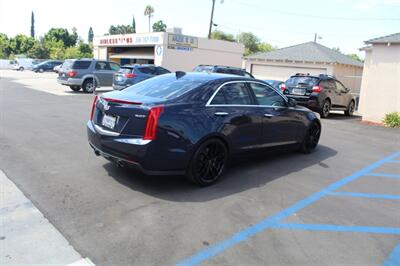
(26, 236)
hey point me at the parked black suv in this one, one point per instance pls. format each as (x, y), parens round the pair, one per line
(223, 69)
(321, 93)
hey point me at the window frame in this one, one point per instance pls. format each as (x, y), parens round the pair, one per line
(250, 90)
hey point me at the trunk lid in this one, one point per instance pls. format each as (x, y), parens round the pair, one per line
(124, 113)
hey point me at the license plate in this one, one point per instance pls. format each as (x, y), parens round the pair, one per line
(118, 78)
(298, 91)
(109, 121)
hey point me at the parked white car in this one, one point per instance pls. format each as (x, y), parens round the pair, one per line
(21, 64)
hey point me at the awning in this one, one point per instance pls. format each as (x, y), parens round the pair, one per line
(139, 54)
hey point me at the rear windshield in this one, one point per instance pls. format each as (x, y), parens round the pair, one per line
(146, 70)
(292, 81)
(67, 64)
(81, 64)
(125, 70)
(166, 86)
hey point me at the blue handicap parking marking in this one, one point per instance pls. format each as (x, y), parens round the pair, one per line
(275, 221)
(394, 257)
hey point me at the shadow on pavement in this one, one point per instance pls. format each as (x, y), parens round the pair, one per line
(338, 116)
(243, 174)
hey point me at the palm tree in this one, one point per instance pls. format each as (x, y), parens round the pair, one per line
(148, 11)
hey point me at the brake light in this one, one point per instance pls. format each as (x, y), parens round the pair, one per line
(130, 75)
(283, 87)
(72, 74)
(151, 123)
(93, 107)
(120, 101)
(316, 89)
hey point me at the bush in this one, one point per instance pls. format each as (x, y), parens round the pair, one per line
(392, 119)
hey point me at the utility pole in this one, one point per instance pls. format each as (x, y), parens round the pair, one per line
(315, 37)
(211, 19)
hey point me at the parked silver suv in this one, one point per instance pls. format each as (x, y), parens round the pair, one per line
(87, 74)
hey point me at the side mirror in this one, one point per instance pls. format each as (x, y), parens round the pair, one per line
(292, 102)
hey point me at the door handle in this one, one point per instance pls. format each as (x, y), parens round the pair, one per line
(268, 115)
(221, 113)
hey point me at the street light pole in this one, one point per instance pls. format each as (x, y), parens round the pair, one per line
(211, 19)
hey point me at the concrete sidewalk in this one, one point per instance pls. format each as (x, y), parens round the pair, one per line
(26, 236)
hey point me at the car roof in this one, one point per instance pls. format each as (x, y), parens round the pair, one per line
(210, 76)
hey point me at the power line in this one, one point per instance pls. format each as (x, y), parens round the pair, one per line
(311, 16)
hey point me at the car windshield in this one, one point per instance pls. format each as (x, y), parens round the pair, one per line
(166, 86)
(301, 79)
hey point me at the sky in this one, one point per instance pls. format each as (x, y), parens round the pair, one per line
(339, 23)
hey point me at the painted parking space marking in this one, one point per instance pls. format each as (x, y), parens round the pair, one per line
(275, 220)
(27, 237)
(365, 195)
(394, 257)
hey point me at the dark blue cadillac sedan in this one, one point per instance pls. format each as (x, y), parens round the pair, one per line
(190, 123)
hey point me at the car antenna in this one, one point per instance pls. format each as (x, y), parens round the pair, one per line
(179, 74)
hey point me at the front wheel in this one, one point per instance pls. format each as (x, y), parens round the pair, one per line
(21, 68)
(350, 109)
(88, 86)
(208, 163)
(41, 70)
(311, 138)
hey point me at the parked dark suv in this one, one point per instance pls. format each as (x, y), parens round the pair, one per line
(46, 66)
(223, 69)
(128, 75)
(87, 74)
(321, 93)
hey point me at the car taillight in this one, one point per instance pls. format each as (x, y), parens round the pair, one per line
(151, 123)
(93, 107)
(71, 74)
(130, 75)
(283, 87)
(316, 89)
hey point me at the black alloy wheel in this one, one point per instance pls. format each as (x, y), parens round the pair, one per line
(208, 163)
(350, 109)
(88, 86)
(326, 108)
(311, 139)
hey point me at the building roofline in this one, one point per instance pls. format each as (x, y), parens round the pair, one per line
(382, 39)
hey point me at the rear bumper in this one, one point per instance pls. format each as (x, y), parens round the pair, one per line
(309, 102)
(127, 151)
(70, 82)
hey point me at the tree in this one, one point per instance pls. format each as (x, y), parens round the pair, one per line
(120, 29)
(90, 35)
(220, 35)
(21, 44)
(148, 11)
(32, 25)
(39, 50)
(250, 41)
(265, 47)
(61, 34)
(159, 26)
(5, 48)
(85, 50)
(355, 57)
(133, 24)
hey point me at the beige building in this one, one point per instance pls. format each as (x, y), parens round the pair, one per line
(170, 50)
(380, 87)
(310, 57)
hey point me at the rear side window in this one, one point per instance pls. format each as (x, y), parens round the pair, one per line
(328, 84)
(296, 80)
(103, 66)
(81, 64)
(232, 94)
(161, 70)
(166, 86)
(114, 66)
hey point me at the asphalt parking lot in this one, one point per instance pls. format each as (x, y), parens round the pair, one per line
(338, 205)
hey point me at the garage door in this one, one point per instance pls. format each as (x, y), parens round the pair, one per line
(282, 72)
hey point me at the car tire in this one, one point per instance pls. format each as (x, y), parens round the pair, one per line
(88, 85)
(208, 163)
(350, 109)
(325, 109)
(41, 70)
(21, 68)
(75, 88)
(311, 138)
